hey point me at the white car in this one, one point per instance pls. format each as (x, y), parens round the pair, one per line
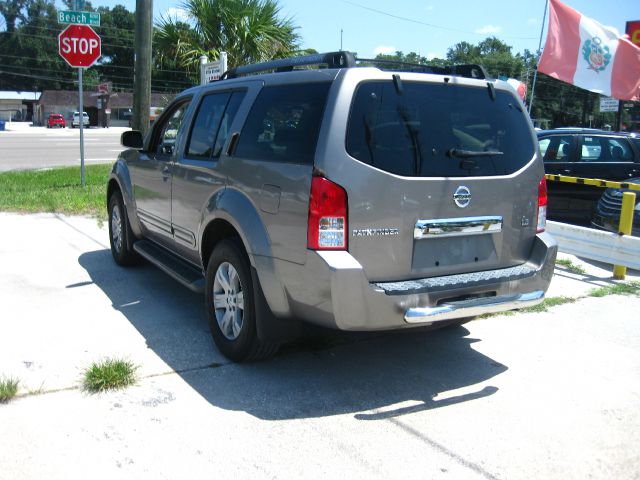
(76, 119)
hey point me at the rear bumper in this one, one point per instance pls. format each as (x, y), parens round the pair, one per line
(472, 307)
(337, 293)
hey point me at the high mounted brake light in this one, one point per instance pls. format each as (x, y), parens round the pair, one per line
(327, 227)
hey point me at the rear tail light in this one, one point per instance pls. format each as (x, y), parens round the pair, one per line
(327, 227)
(542, 205)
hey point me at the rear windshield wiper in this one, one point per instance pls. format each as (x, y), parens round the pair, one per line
(457, 152)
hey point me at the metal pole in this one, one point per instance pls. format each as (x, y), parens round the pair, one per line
(81, 117)
(535, 75)
(624, 228)
(203, 61)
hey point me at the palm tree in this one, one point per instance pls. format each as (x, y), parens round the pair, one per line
(248, 30)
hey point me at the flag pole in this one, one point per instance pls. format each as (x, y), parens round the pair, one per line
(535, 74)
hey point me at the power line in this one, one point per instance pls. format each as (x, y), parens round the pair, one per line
(419, 22)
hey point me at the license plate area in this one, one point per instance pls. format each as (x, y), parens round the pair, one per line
(439, 253)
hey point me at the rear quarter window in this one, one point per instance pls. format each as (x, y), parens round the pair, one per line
(438, 130)
(284, 123)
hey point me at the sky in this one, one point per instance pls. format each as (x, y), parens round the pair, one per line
(427, 27)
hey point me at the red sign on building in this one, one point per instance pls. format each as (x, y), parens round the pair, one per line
(79, 45)
(633, 30)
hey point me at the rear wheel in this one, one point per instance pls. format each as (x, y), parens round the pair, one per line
(120, 235)
(230, 305)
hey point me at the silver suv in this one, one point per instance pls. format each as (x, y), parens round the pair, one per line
(350, 197)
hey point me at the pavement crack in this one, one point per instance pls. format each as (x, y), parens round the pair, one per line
(63, 220)
(444, 450)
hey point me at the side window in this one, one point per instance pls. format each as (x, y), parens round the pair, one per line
(225, 124)
(205, 126)
(544, 146)
(618, 150)
(168, 131)
(283, 124)
(591, 149)
(557, 148)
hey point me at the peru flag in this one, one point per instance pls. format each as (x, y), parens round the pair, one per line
(589, 55)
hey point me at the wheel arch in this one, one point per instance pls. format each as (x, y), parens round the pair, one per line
(120, 180)
(232, 214)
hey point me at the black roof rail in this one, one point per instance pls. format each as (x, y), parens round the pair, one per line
(331, 60)
(468, 71)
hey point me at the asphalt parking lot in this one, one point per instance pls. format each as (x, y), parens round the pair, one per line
(535, 395)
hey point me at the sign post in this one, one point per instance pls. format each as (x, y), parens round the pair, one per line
(80, 46)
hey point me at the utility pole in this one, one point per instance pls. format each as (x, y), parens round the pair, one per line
(142, 75)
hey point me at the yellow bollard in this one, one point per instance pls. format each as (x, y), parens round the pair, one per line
(626, 222)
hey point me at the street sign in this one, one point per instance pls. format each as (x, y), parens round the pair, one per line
(104, 88)
(79, 45)
(81, 18)
(212, 71)
(608, 104)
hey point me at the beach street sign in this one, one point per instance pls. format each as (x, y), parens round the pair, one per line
(79, 18)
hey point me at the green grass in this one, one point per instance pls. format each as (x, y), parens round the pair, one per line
(630, 288)
(109, 374)
(547, 303)
(8, 388)
(56, 190)
(569, 265)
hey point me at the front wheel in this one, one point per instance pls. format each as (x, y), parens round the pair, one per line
(120, 234)
(231, 306)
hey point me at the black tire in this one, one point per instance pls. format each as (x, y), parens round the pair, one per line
(120, 234)
(230, 304)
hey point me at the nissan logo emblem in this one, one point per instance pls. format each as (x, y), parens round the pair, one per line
(462, 196)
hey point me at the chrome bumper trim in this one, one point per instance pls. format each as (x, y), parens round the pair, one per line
(450, 227)
(472, 307)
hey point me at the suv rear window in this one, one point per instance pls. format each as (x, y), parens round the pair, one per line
(284, 123)
(438, 130)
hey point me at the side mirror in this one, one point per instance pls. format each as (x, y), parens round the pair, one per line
(132, 139)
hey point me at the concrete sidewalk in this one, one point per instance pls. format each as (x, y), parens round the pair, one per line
(64, 265)
(537, 395)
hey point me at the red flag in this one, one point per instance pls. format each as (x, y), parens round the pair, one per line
(584, 53)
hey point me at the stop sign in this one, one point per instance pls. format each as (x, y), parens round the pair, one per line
(79, 45)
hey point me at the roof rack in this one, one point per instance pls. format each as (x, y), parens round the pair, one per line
(331, 60)
(467, 70)
(345, 59)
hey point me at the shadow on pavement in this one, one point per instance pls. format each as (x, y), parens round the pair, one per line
(373, 376)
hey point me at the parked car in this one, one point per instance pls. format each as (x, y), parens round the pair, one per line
(56, 120)
(350, 197)
(607, 215)
(585, 153)
(75, 123)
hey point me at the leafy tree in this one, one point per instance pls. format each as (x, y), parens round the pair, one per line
(28, 53)
(12, 12)
(248, 30)
(492, 53)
